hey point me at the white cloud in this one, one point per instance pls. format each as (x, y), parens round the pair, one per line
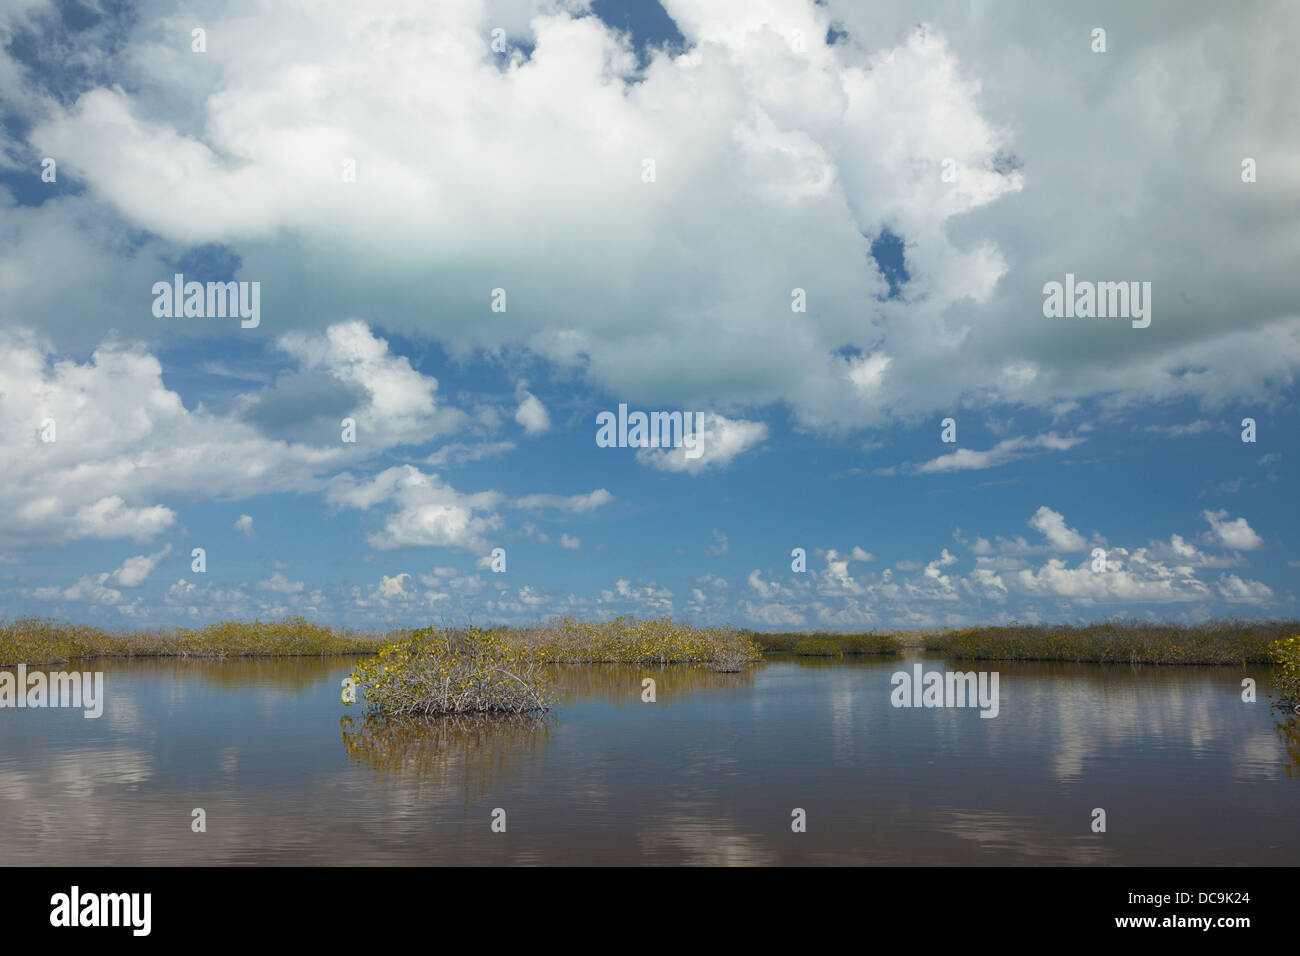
(754, 141)
(721, 439)
(400, 405)
(108, 517)
(1059, 535)
(1234, 589)
(1235, 534)
(1183, 549)
(1183, 552)
(117, 426)
(738, 116)
(773, 615)
(279, 584)
(646, 598)
(430, 513)
(572, 503)
(244, 525)
(90, 589)
(532, 414)
(570, 542)
(766, 589)
(530, 596)
(837, 578)
(675, 292)
(395, 586)
(1011, 449)
(1178, 431)
(459, 453)
(134, 571)
(1135, 580)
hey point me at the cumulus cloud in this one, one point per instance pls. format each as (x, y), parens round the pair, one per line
(671, 293)
(1131, 580)
(938, 593)
(244, 525)
(1236, 534)
(743, 115)
(428, 512)
(279, 584)
(393, 403)
(394, 586)
(773, 615)
(765, 589)
(755, 137)
(720, 439)
(646, 598)
(1234, 589)
(837, 577)
(91, 589)
(117, 426)
(1059, 535)
(532, 414)
(135, 571)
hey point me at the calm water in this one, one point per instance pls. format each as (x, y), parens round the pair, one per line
(1186, 771)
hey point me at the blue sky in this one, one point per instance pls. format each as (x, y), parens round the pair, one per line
(781, 162)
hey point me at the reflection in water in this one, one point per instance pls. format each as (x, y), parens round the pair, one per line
(1288, 732)
(694, 835)
(620, 684)
(706, 774)
(994, 832)
(470, 751)
(288, 675)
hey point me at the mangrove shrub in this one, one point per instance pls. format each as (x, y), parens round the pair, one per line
(452, 671)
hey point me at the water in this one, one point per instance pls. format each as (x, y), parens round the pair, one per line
(1186, 771)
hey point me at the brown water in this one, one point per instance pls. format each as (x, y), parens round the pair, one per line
(1186, 771)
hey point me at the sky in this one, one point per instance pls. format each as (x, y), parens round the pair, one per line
(825, 229)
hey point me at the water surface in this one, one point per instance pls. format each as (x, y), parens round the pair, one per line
(1186, 771)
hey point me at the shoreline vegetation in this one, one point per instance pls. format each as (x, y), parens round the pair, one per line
(825, 644)
(1213, 642)
(35, 641)
(503, 670)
